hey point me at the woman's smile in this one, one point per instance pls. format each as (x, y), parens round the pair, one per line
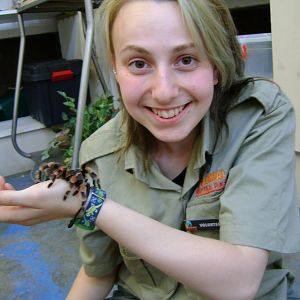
(168, 116)
(168, 113)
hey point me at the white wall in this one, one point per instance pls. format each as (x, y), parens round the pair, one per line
(285, 20)
(32, 137)
(72, 45)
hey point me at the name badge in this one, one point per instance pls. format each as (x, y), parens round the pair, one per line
(196, 225)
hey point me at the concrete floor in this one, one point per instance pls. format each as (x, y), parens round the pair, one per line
(41, 262)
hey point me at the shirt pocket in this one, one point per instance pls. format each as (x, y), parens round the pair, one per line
(146, 274)
(208, 198)
(203, 208)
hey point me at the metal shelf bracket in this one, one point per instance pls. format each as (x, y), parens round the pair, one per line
(64, 5)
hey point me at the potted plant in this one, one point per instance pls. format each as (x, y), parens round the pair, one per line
(95, 115)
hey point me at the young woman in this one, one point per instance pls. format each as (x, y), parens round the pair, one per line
(198, 166)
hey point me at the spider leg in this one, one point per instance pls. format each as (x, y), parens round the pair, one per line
(75, 192)
(39, 173)
(52, 181)
(73, 220)
(82, 190)
(98, 182)
(92, 175)
(96, 179)
(66, 195)
(87, 188)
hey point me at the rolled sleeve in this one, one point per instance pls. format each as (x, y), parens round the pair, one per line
(99, 253)
(259, 206)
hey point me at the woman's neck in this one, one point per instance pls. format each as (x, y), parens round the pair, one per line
(173, 158)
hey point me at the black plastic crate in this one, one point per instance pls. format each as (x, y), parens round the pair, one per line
(41, 83)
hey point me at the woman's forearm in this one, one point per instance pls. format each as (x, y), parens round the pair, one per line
(200, 263)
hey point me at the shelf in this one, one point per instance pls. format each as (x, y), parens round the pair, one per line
(236, 4)
(7, 14)
(34, 23)
(37, 6)
(40, 16)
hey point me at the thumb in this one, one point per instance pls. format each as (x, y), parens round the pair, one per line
(5, 185)
(8, 186)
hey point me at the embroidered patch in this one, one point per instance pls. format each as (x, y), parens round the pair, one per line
(212, 182)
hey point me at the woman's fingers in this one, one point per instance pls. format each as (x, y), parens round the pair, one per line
(18, 215)
(2, 182)
(23, 215)
(5, 185)
(11, 198)
(8, 186)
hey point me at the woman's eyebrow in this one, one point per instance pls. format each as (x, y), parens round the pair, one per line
(184, 47)
(136, 49)
(142, 50)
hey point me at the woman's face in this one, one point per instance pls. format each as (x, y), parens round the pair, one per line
(165, 85)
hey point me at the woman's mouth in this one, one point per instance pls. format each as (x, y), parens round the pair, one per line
(168, 113)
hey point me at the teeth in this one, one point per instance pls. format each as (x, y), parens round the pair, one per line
(166, 114)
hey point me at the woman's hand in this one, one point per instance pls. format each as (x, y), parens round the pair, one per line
(36, 204)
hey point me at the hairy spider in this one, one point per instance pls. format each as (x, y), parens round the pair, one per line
(78, 179)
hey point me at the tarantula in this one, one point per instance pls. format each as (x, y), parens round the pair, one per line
(77, 179)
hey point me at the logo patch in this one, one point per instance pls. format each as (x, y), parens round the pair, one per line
(212, 182)
(196, 225)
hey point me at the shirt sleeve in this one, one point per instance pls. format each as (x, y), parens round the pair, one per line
(259, 206)
(99, 253)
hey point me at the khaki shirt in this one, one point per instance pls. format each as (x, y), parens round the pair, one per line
(245, 182)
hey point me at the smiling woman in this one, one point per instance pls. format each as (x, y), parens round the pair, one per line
(182, 156)
(167, 69)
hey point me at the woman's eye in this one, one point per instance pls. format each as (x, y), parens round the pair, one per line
(138, 64)
(187, 62)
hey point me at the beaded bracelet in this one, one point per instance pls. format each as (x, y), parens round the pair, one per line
(86, 217)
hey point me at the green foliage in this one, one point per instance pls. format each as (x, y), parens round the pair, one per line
(95, 115)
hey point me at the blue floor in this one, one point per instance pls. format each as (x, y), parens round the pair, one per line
(38, 262)
(41, 262)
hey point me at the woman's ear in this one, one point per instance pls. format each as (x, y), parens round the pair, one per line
(113, 64)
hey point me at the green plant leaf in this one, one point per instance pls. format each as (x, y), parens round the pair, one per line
(95, 115)
(45, 155)
(64, 116)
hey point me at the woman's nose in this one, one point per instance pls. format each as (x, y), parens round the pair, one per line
(164, 86)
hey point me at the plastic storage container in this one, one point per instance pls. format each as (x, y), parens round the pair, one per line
(41, 83)
(257, 51)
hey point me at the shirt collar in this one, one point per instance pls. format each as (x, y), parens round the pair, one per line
(203, 146)
(264, 91)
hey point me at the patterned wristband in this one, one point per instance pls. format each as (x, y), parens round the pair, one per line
(94, 203)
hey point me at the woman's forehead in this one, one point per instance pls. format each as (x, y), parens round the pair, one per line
(141, 17)
(149, 22)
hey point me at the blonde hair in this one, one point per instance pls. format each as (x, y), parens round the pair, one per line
(213, 31)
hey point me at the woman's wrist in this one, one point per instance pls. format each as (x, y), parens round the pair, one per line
(86, 216)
